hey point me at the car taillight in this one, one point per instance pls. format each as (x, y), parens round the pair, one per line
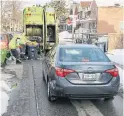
(113, 72)
(63, 72)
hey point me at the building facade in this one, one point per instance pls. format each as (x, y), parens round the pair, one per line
(111, 23)
(110, 20)
(87, 15)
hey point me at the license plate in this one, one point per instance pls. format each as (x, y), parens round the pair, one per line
(88, 77)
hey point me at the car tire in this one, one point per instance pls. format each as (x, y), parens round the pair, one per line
(50, 97)
(109, 98)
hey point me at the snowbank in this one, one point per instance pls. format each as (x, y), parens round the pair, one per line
(65, 34)
(65, 41)
(4, 102)
(117, 56)
(121, 73)
(4, 89)
(65, 37)
(118, 52)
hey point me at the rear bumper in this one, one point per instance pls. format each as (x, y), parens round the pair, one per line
(63, 88)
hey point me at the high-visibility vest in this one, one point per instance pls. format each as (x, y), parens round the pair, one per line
(12, 44)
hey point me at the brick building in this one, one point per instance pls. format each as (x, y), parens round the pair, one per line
(110, 22)
(110, 19)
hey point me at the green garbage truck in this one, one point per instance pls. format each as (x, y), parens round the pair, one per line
(40, 25)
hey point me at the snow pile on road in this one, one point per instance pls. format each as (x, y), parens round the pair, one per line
(65, 37)
(117, 56)
(65, 34)
(4, 89)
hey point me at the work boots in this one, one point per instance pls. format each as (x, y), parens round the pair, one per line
(18, 61)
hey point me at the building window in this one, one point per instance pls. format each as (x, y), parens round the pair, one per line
(78, 16)
(85, 15)
(94, 25)
(71, 12)
(81, 15)
(83, 25)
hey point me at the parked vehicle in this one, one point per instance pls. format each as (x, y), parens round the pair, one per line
(4, 47)
(79, 71)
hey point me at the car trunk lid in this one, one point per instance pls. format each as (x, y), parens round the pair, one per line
(88, 72)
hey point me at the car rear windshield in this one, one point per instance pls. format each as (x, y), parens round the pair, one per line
(82, 55)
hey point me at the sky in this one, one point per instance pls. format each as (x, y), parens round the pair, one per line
(99, 2)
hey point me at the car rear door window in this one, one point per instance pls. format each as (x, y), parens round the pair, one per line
(82, 55)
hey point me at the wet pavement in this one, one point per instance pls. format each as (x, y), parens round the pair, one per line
(30, 99)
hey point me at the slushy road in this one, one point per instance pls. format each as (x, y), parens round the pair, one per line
(30, 99)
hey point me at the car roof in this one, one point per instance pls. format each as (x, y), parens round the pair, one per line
(77, 46)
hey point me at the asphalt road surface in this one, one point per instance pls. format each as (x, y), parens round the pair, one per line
(30, 99)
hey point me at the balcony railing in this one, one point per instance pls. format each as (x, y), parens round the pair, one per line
(84, 30)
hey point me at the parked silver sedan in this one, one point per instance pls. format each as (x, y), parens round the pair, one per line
(78, 72)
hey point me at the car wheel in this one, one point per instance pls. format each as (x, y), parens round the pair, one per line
(50, 97)
(109, 98)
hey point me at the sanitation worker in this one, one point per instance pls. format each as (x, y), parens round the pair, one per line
(24, 40)
(14, 47)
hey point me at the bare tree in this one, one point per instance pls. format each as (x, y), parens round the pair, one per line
(60, 7)
(10, 14)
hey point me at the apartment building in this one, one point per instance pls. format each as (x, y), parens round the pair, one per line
(87, 14)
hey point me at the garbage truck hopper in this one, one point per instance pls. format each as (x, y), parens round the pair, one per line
(33, 19)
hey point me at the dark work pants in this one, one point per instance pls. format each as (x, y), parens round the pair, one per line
(23, 49)
(15, 53)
